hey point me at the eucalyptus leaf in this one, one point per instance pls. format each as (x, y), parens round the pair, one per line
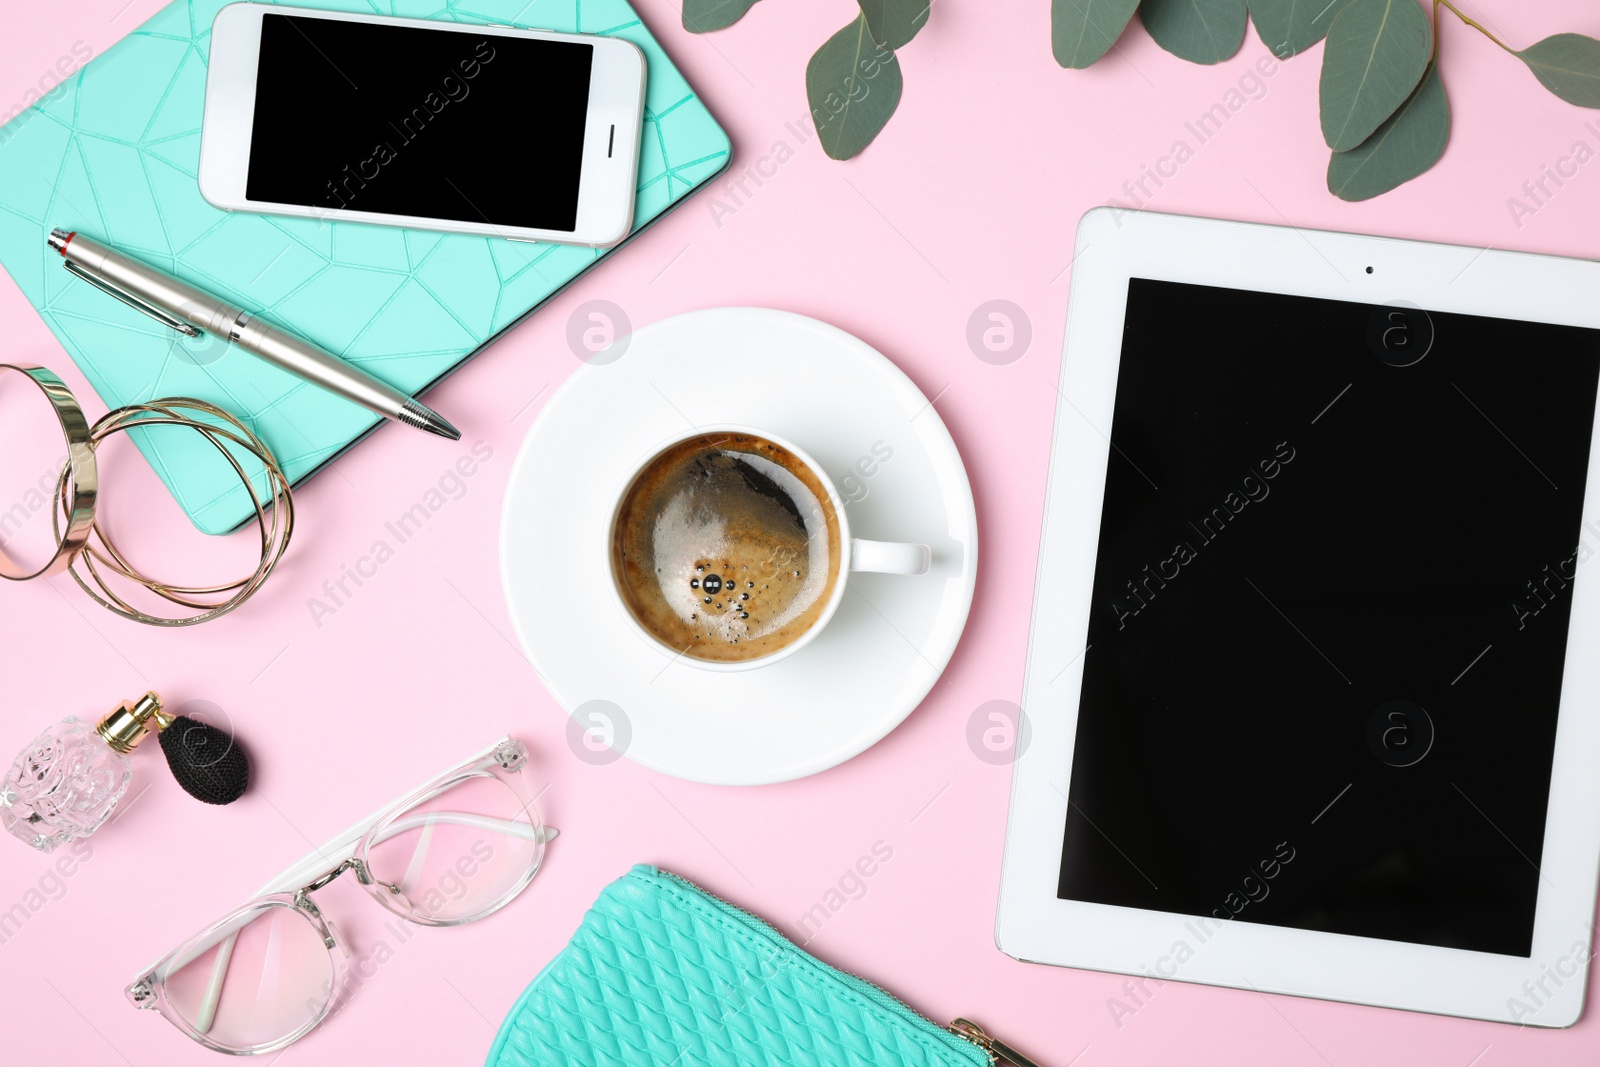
(703, 16)
(1407, 144)
(853, 85)
(1289, 27)
(1201, 31)
(1375, 56)
(1081, 31)
(893, 23)
(1568, 64)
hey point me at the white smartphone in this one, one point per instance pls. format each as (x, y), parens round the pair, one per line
(434, 125)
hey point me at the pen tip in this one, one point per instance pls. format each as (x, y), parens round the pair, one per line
(425, 418)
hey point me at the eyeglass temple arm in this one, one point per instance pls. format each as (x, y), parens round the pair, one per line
(343, 846)
(406, 823)
(219, 969)
(509, 827)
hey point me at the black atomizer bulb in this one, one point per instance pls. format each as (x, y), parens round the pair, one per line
(206, 761)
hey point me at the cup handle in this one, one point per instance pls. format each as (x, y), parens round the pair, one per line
(888, 557)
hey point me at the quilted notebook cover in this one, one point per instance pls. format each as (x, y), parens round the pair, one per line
(115, 152)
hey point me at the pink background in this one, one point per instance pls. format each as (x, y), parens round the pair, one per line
(970, 195)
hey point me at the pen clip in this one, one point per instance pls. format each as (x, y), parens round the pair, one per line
(134, 302)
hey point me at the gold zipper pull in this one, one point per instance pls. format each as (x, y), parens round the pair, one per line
(1001, 1051)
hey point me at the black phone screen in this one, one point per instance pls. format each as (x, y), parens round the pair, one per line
(411, 120)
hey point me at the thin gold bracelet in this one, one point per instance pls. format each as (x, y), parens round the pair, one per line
(98, 550)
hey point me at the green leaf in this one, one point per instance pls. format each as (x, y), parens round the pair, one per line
(1081, 31)
(1376, 53)
(1407, 144)
(1201, 31)
(1568, 64)
(1289, 27)
(893, 23)
(853, 85)
(703, 16)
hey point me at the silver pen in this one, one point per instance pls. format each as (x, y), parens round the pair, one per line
(190, 311)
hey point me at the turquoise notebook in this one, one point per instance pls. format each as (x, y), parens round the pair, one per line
(115, 152)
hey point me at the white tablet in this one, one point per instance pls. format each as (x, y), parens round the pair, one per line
(1312, 689)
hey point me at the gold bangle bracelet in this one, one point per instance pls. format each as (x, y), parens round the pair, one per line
(80, 479)
(274, 515)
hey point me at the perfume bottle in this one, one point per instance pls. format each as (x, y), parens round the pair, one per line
(69, 779)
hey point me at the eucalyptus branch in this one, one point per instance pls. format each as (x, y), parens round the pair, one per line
(1381, 131)
(1475, 25)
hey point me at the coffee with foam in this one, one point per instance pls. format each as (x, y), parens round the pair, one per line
(726, 547)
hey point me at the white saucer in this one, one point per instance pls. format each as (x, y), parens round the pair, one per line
(837, 398)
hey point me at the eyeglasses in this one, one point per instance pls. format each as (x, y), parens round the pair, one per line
(265, 975)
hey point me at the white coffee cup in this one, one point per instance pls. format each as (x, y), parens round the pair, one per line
(856, 554)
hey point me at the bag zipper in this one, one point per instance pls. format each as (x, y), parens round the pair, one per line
(996, 1050)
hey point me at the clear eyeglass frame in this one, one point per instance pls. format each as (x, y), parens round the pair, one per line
(505, 761)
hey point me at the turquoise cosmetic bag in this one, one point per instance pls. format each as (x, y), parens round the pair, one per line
(662, 973)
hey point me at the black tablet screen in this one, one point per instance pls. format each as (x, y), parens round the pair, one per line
(1336, 564)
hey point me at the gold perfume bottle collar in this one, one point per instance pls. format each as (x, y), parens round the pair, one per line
(129, 722)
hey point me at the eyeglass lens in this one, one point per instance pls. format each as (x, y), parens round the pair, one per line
(255, 984)
(457, 855)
